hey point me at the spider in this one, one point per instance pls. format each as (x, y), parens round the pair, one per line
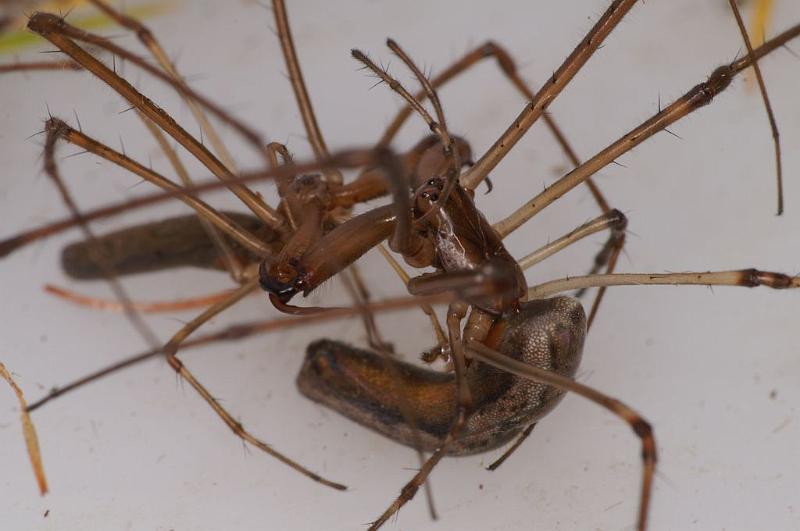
(701, 202)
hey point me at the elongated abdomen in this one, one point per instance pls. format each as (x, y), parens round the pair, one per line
(174, 242)
(385, 396)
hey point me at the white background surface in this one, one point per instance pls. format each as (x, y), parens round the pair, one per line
(140, 451)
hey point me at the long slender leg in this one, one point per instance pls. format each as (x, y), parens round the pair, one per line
(300, 91)
(149, 40)
(354, 283)
(48, 26)
(232, 263)
(33, 66)
(426, 308)
(107, 305)
(697, 97)
(614, 220)
(455, 314)
(639, 425)
(441, 129)
(360, 296)
(509, 69)
(537, 106)
(249, 134)
(428, 89)
(292, 206)
(608, 256)
(398, 87)
(616, 242)
(763, 89)
(749, 278)
(170, 351)
(511, 449)
(219, 220)
(56, 131)
(151, 43)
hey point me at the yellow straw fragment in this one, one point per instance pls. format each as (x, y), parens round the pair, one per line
(18, 37)
(759, 24)
(762, 13)
(31, 441)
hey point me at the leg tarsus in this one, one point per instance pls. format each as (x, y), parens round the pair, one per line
(509, 68)
(607, 257)
(640, 427)
(170, 352)
(513, 448)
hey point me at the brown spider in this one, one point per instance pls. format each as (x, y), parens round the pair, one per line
(702, 202)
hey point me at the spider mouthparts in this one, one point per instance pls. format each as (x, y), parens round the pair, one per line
(282, 290)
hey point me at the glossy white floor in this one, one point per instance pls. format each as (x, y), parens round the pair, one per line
(715, 371)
